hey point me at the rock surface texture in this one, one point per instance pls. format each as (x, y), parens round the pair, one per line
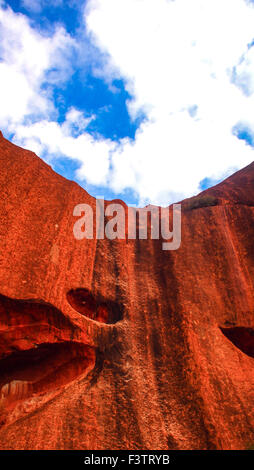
(119, 344)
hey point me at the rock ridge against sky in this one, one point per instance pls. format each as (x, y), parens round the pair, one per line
(143, 100)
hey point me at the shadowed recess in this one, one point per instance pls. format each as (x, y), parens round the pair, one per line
(44, 368)
(98, 309)
(30, 322)
(37, 351)
(22, 312)
(242, 338)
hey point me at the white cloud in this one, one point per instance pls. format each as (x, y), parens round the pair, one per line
(52, 140)
(187, 64)
(29, 59)
(245, 72)
(75, 122)
(175, 55)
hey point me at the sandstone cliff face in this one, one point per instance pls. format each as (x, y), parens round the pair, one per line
(118, 344)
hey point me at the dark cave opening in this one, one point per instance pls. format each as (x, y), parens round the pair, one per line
(241, 337)
(34, 356)
(98, 309)
(43, 368)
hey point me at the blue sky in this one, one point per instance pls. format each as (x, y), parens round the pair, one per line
(149, 101)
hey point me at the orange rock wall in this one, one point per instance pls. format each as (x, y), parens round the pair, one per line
(119, 344)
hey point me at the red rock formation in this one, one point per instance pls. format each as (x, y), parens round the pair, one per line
(119, 344)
